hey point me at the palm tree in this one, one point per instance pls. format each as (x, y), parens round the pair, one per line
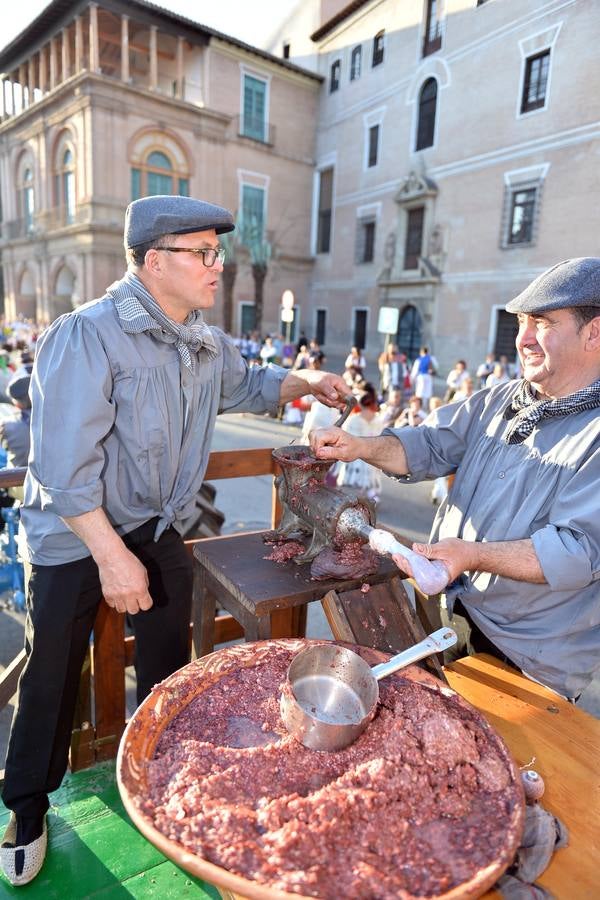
(252, 237)
(230, 267)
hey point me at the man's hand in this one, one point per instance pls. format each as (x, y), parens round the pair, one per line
(123, 577)
(510, 559)
(124, 582)
(335, 443)
(457, 555)
(330, 389)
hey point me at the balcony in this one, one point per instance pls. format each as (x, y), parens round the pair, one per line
(44, 222)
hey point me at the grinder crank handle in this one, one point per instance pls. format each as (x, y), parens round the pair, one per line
(431, 575)
(350, 404)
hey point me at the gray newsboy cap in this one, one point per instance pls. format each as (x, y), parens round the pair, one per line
(574, 282)
(18, 389)
(149, 218)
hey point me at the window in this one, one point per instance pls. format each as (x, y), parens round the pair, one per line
(157, 175)
(253, 213)
(255, 109)
(409, 336)
(378, 49)
(427, 109)
(414, 237)
(522, 212)
(507, 328)
(356, 63)
(247, 317)
(359, 330)
(335, 76)
(373, 146)
(27, 201)
(321, 327)
(432, 39)
(64, 185)
(536, 81)
(325, 206)
(365, 241)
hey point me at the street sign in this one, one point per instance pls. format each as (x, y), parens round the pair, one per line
(287, 301)
(287, 315)
(388, 320)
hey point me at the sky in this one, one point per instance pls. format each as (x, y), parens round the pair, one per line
(248, 20)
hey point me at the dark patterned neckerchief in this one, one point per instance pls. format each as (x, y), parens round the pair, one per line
(526, 409)
(139, 311)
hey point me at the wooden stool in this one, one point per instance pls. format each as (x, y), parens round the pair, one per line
(268, 599)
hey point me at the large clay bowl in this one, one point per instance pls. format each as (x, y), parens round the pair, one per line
(172, 695)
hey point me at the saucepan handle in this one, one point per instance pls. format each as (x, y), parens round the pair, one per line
(440, 640)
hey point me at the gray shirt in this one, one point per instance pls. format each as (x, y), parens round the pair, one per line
(14, 437)
(119, 423)
(547, 489)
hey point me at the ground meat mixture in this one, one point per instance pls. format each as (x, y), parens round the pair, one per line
(352, 560)
(418, 804)
(284, 550)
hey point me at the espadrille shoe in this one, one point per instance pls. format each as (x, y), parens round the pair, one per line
(22, 861)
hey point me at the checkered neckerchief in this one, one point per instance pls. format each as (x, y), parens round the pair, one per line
(526, 410)
(139, 311)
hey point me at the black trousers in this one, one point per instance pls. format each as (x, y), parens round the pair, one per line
(62, 602)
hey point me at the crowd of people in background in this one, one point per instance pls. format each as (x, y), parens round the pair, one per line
(403, 395)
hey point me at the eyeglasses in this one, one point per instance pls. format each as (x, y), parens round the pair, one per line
(209, 254)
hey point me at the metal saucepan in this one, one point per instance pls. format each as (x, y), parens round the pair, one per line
(331, 693)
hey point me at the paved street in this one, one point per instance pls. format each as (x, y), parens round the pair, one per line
(246, 503)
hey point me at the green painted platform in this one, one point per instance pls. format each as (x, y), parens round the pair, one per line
(95, 851)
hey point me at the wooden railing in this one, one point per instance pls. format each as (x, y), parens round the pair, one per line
(100, 716)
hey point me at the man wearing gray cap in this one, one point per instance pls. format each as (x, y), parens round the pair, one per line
(125, 392)
(520, 530)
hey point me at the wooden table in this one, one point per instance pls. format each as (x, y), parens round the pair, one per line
(565, 742)
(233, 571)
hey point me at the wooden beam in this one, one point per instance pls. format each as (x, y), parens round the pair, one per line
(139, 48)
(238, 464)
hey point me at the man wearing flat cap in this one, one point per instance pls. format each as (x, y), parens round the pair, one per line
(125, 392)
(15, 432)
(520, 529)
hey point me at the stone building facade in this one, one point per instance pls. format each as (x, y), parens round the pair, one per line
(105, 102)
(457, 157)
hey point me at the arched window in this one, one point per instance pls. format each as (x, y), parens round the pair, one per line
(27, 200)
(356, 62)
(26, 299)
(158, 175)
(65, 194)
(408, 337)
(427, 109)
(64, 292)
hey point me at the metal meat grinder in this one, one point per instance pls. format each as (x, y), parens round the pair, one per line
(312, 507)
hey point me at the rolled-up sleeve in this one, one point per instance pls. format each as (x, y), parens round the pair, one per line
(244, 388)
(568, 547)
(437, 446)
(72, 413)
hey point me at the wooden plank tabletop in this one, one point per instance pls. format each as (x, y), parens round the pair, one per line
(262, 585)
(565, 742)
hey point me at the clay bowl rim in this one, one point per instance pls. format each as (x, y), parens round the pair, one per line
(212, 666)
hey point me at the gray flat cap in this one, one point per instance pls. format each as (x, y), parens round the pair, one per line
(18, 389)
(574, 282)
(151, 217)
